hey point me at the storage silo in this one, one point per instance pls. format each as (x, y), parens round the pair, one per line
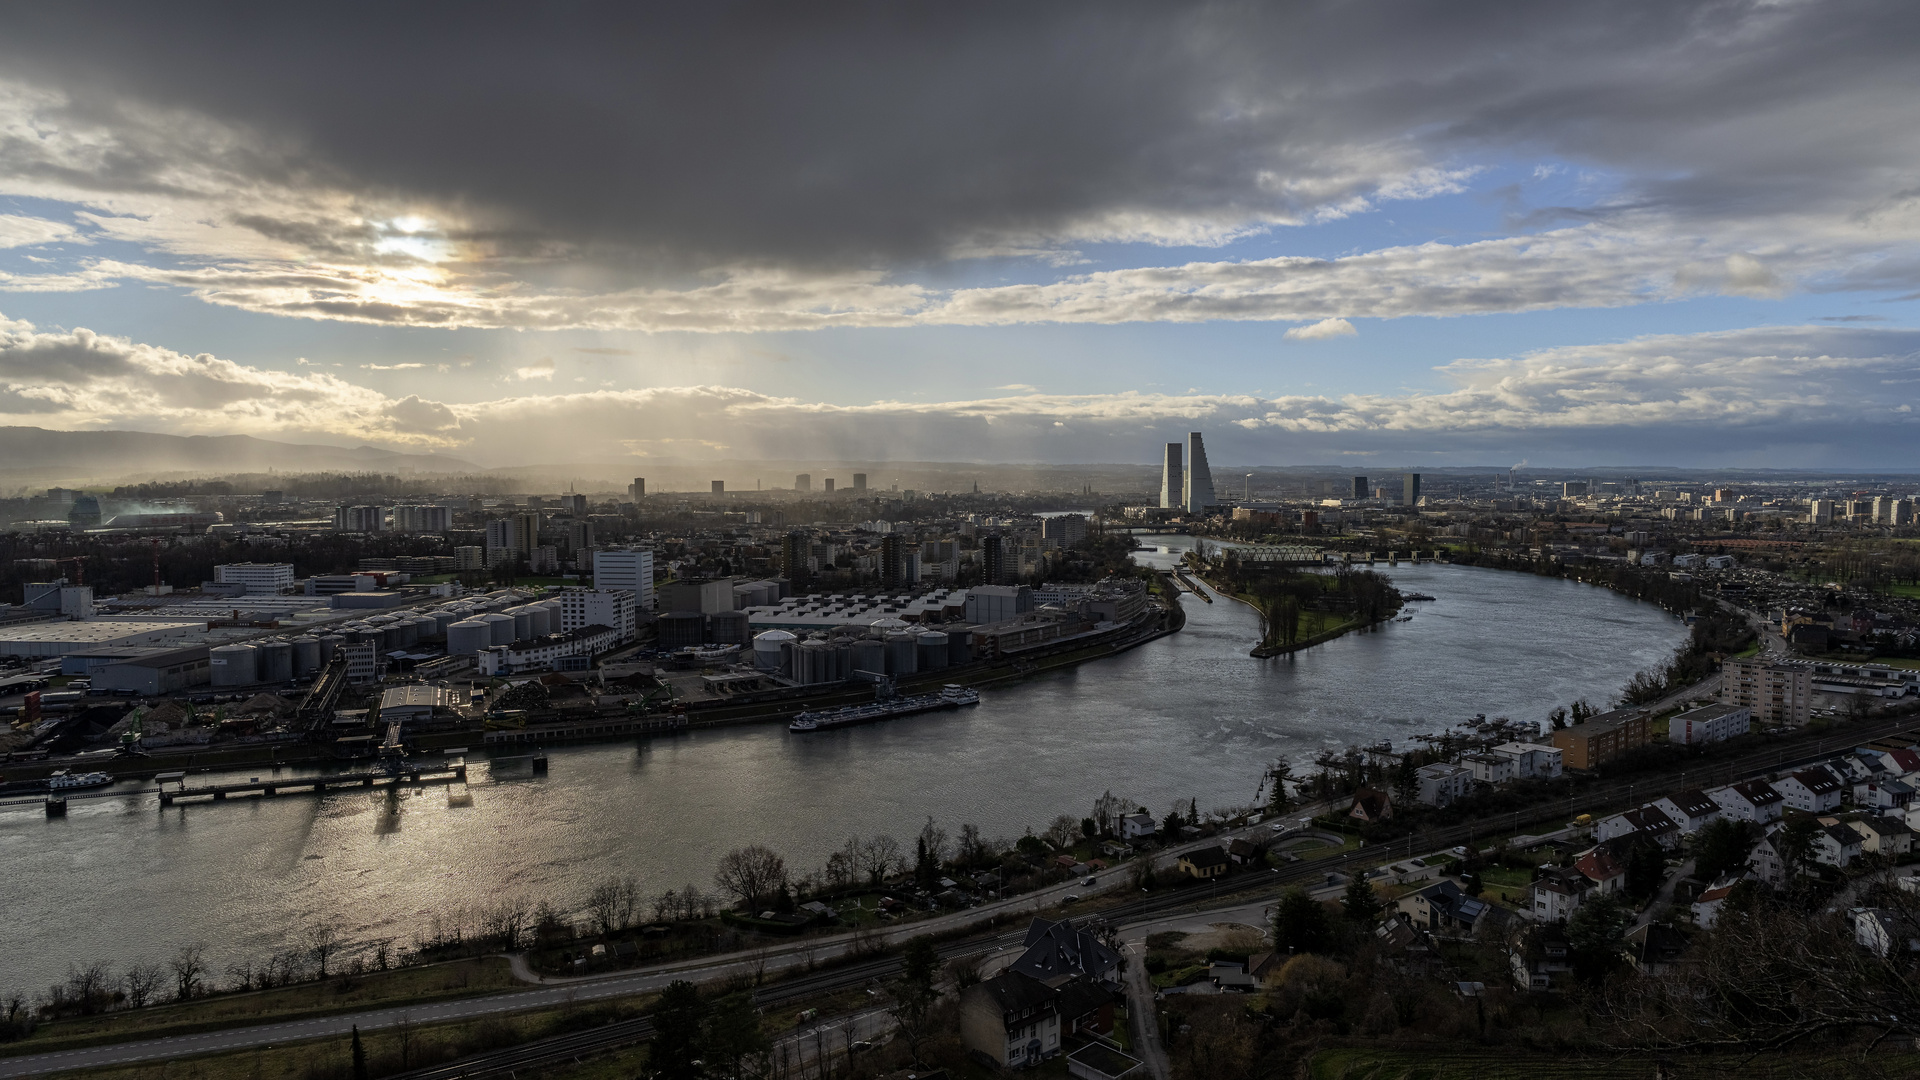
(932, 650)
(273, 661)
(679, 629)
(502, 624)
(380, 620)
(306, 656)
(869, 654)
(766, 649)
(729, 627)
(541, 620)
(329, 645)
(232, 665)
(404, 632)
(902, 658)
(468, 636)
(959, 647)
(522, 622)
(424, 628)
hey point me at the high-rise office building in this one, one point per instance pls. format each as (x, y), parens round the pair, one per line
(356, 519)
(638, 489)
(803, 482)
(890, 569)
(1199, 485)
(628, 570)
(499, 541)
(579, 536)
(1359, 487)
(859, 481)
(993, 560)
(1172, 479)
(1409, 488)
(719, 487)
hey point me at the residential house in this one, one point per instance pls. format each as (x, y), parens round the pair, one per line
(1227, 975)
(1883, 796)
(1883, 836)
(1756, 801)
(1765, 865)
(1884, 932)
(1085, 1006)
(1542, 958)
(1407, 947)
(1649, 821)
(1244, 852)
(1442, 784)
(1058, 948)
(1012, 1020)
(1654, 949)
(1137, 826)
(1814, 791)
(1443, 907)
(1836, 845)
(1488, 768)
(1370, 805)
(1603, 738)
(1531, 761)
(1861, 764)
(1901, 762)
(1713, 723)
(1205, 863)
(1556, 894)
(1692, 810)
(1706, 906)
(1608, 874)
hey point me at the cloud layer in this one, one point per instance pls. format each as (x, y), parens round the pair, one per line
(764, 168)
(1836, 395)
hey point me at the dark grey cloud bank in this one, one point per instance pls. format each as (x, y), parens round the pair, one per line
(640, 142)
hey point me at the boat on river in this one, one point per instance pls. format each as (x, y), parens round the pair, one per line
(951, 696)
(70, 781)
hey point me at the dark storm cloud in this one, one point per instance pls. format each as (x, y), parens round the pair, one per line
(846, 136)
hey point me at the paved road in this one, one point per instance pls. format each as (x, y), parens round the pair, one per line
(1143, 1017)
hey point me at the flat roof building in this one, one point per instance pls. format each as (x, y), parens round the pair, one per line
(1603, 738)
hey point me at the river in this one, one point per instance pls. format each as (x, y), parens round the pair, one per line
(1189, 716)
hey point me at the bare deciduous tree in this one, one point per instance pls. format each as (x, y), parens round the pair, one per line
(1063, 831)
(188, 969)
(751, 875)
(322, 940)
(879, 857)
(143, 982)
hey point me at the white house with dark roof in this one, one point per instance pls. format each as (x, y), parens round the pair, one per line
(1055, 949)
(1814, 791)
(1837, 845)
(1692, 810)
(1756, 801)
(1649, 820)
(1883, 795)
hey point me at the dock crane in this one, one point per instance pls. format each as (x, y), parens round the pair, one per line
(130, 738)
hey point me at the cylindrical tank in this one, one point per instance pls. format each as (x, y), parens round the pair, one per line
(423, 628)
(232, 665)
(273, 661)
(902, 658)
(959, 647)
(729, 627)
(522, 622)
(542, 620)
(380, 620)
(404, 632)
(306, 656)
(766, 649)
(870, 654)
(468, 636)
(502, 624)
(330, 644)
(932, 650)
(679, 629)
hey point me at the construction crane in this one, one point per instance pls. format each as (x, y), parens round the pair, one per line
(79, 568)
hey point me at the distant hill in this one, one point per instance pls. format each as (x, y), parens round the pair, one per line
(37, 455)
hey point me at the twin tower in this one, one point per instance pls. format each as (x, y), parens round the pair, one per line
(1189, 489)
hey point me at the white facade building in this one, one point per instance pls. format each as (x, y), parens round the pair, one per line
(269, 579)
(1443, 785)
(1531, 761)
(627, 569)
(422, 519)
(597, 607)
(1813, 791)
(1755, 801)
(1710, 724)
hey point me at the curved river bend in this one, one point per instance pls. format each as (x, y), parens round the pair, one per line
(1187, 716)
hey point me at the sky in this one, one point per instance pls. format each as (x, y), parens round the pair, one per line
(1680, 233)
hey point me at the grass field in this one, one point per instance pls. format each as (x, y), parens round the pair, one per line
(434, 982)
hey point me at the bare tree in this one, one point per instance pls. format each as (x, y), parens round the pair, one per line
(91, 987)
(751, 874)
(382, 953)
(1062, 832)
(321, 943)
(879, 857)
(188, 968)
(143, 982)
(665, 905)
(612, 903)
(841, 870)
(934, 838)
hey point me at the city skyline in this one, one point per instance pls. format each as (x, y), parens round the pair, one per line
(1660, 233)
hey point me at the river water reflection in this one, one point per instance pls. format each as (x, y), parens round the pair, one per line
(1188, 716)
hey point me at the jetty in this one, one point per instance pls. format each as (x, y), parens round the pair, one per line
(454, 772)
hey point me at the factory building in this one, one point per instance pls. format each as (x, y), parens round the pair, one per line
(268, 579)
(552, 651)
(155, 672)
(997, 603)
(61, 638)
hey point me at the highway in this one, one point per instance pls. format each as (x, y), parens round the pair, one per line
(759, 965)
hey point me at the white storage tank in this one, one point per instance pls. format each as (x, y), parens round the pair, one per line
(766, 649)
(522, 622)
(273, 661)
(232, 665)
(502, 625)
(902, 657)
(468, 636)
(543, 621)
(306, 656)
(933, 647)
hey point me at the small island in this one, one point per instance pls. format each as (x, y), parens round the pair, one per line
(1297, 608)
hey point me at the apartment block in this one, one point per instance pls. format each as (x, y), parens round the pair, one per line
(1778, 692)
(1603, 738)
